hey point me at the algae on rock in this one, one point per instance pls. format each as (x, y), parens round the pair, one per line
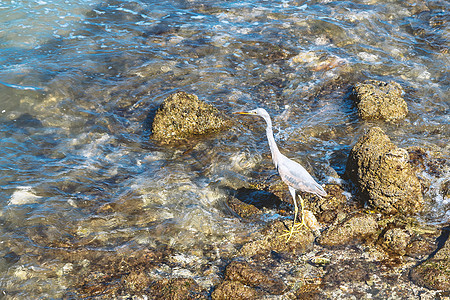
(353, 229)
(434, 273)
(380, 100)
(182, 116)
(384, 175)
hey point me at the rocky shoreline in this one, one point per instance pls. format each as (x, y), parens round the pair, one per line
(370, 244)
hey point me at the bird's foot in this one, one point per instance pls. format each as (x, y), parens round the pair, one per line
(294, 229)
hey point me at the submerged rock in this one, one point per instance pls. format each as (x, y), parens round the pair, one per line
(246, 281)
(247, 203)
(380, 100)
(384, 175)
(244, 210)
(235, 290)
(350, 271)
(182, 116)
(177, 289)
(253, 277)
(434, 273)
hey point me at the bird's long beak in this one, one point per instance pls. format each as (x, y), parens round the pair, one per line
(242, 113)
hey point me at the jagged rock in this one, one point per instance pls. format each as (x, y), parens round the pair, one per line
(380, 100)
(396, 240)
(244, 210)
(235, 290)
(434, 273)
(384, 175)
(327, 208)
(272, 240)
(350, 271)
(253, 277)
(353, 229)
(420, 248)
(182, 116)
(177, 289)
(310, 292)
(248, 203)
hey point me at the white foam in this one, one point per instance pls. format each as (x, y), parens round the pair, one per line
(23, 195)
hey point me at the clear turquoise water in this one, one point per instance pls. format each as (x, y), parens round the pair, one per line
(80, 141)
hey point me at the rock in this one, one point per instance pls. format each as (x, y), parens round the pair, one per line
(182, 116)
(272, 240)
(396, 240)
(310, 292)
(112, 275)
(327, 208)
(430, 161)
(135, 281)
(350, 271)
(384, 175)
(434, 273)
(253, 277)
(248, 203)
(446, 189)
(244, 210)
(380, 100)
(354, 229)
(235, 290)
(177, 289)
(419, 248)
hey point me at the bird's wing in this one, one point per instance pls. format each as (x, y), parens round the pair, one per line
(293, 174)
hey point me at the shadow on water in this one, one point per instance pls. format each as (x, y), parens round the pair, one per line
(441, 240)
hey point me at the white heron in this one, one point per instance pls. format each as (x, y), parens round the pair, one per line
(291, 172)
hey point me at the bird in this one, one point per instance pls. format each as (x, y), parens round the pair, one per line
(292, 173)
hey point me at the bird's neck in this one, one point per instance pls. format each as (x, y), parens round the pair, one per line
(273, 146)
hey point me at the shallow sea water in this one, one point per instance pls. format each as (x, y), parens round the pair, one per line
(77, 163)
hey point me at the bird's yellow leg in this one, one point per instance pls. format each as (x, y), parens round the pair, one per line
(303, 214)
(296, 227)
(295, 218)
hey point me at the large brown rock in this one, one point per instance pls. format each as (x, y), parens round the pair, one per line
(380, 100)
(177, 289)
(384, 175)
(254, 277)
(434, 273)
(183, 116)
(354, 229)
(274, 238)
(235, 290)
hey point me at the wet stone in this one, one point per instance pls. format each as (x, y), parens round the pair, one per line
(253, 277)
(384, 175)
(327, 208)
(419, 248)
(350, 271)
(352, 230)
(272, 240)
(177, 289)
(235, 290)
(113, 274)
(182, 116)
(244, 210)
(428, 161)
(380, 100)
(310, 292)
(434, 273)
(396, 240)
(446, 189)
